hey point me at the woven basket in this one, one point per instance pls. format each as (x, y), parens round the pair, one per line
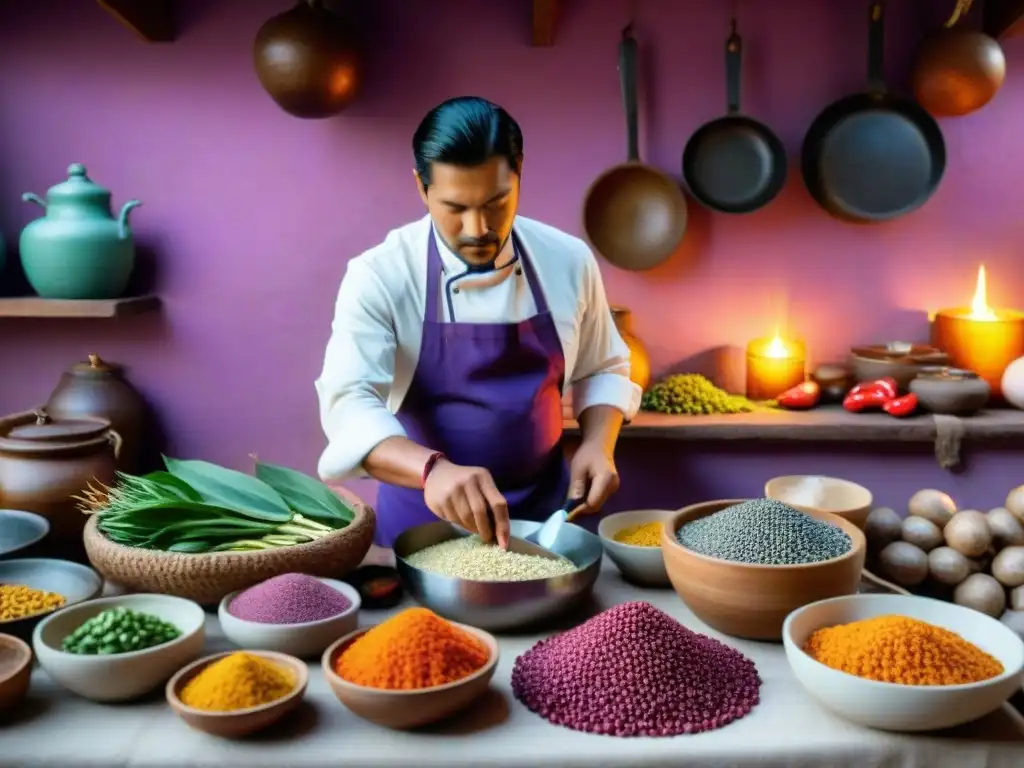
(208, 577)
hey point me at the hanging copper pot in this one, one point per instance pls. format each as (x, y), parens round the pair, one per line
(308, 61)
(958, 70)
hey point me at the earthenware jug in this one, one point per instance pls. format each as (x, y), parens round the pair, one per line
(97, 389)
(639, 362)
(308, 60)
(77, 249)
(45, 463)
(950, 391)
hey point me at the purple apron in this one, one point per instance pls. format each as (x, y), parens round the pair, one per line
(486, 395)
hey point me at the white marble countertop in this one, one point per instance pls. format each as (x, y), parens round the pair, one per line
(787, 729)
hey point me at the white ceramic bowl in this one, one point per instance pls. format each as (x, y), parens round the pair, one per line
(906, 708)
(122, 676)
(834, 495)
(304, 640)
(641, 565)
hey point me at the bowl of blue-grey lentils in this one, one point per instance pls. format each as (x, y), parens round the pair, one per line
(742, 565)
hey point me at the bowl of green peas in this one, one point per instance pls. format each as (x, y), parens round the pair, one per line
(119, 648)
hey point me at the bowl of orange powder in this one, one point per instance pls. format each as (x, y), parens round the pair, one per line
(414, 669)
(903, 663)
(632, 540)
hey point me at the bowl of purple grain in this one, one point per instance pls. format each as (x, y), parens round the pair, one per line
(293, 613)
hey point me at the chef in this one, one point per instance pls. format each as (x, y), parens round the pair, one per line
(454, 340)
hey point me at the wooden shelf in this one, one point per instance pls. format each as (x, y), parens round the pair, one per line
(33, 306)
(545, 21)
(830, 424)
(1003, 18)
(152, 20)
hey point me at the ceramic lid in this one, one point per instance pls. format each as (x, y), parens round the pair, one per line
(48, 430)
(78, 188)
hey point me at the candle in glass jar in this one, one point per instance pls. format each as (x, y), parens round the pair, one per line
(979, 338)
(773, 366)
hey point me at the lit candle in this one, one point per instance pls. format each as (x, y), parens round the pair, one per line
(981, 339)
(773, 366)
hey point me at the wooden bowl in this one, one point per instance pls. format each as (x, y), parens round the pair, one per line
(409, 709)
(901, 361)
(748, 600)
(15, 672)
(241, 722)
(206, 578)
(842, 498)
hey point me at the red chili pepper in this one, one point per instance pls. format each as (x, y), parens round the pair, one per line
(801, 397)
(887, 384)
(890, 385)
(866, 398)
(901, 406)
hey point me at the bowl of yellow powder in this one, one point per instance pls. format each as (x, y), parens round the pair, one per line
(903, 663)
(235, 694)
(632, 540)
(414, 669)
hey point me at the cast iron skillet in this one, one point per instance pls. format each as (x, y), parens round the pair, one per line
(734, 164)
(634, 215)
(873, 156)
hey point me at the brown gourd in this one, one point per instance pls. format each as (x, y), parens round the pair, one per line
(932, 505)
(923, 534)
(1015, 503)
(1008, 567)
(904, 563)
(982, 593)
(882, 527)
(949, 567)
(1006, 529)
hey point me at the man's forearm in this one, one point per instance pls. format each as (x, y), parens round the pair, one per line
(398, 461)
(600, 425)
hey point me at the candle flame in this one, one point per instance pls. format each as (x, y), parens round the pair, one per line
(777, 348)
(980, 310)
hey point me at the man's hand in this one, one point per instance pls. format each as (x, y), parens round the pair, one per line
(468, 497)
(592, 476)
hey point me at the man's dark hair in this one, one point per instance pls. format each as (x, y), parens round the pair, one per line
(466, 131)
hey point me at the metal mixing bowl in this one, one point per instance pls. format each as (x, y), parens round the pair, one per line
(500, 605)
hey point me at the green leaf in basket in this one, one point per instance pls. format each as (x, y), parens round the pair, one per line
(309, 497)
(241, 493)
(190, 547)
(174, 485)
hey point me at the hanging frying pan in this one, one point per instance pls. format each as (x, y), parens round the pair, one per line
(873, 156)
(634, 215)
(734, 164)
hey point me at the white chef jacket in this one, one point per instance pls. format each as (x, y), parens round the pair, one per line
(378, 323)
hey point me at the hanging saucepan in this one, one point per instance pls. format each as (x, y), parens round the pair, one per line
(634, 215)
(958, 70)
(308, 61)
(734, 164)
(873, 156)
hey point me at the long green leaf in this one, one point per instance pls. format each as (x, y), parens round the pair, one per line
(174, 485)
(236, 491)
(190, 547)
(309, 497)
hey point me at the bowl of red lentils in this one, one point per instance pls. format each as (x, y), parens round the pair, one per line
(632, 540)
(903, 663)
(32, 588)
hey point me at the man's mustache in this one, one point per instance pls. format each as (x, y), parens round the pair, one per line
(489, 239)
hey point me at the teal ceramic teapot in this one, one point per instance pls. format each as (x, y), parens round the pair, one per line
(77, 249)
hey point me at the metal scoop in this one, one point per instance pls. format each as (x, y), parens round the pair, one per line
(547, 534)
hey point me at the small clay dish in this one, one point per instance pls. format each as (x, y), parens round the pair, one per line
(77, 583)
(843, 498)
(899, 360)
(240, 722)
(409, 708)
(749, 600)
(950, 391)
(15, 672)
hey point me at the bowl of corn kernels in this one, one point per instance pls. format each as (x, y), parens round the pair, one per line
(632, 540)
(32, 588)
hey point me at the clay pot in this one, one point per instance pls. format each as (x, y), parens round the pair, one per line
(307, 60)
(97, 389)
(639, 361)
(958, 72)
(901, 361)
(951, 391)
(45, 463)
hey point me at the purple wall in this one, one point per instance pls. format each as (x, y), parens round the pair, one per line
(252, 214)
